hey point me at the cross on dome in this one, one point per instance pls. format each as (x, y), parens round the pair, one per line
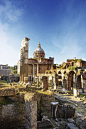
(39, 45)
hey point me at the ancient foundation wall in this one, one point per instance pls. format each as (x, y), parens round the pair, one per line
(7, 91)
(45, 104)
(12, 116)
(37, 105)
(31, 111)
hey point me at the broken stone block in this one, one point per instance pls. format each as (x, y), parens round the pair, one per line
(70, 120)
(45, 83)
(44, 124)
(65, 111)
(44, 118)
(54, 106)
(71, 126)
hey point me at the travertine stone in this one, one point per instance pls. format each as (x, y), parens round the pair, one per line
(45, 83)
(31, 111)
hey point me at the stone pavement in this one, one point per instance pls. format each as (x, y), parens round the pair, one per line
(78, 103)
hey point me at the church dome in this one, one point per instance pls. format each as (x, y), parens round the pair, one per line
(39, 52)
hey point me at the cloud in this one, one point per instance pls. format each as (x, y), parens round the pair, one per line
(9, 11)
(67, 47)
(8, 55)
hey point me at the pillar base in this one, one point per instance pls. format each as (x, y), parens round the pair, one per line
(80, 91)
(55, 87)
(25, 79)
(75, 92)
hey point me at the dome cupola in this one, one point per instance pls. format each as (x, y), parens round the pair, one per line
(39, 52)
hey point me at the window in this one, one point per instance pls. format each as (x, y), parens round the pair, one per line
(59, 72)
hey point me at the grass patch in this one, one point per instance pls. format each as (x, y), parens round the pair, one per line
(3, 81)
(4, 101)
(81, 95)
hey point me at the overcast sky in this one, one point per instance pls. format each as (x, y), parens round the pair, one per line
(59, 25)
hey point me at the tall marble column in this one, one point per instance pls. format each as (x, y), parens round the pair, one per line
(21, 66)
(37, 69)
(33, 72)
(26, 42)
(24, 61)
(62, 78)
(81, 81)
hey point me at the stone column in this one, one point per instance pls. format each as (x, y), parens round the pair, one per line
(24, 60)
(21, 67)
(81, 81)
(81, 88)
(45, 83)
(22, 64)
(52, 82)
(64, 86)
(67, 82)
(76, 89)
(74, 78)
(37, 69)
(26, 41)
(33, 72)
(37, 81)
(62, 78)
(30, 111)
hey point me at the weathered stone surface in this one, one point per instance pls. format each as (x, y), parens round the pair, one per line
(28, 84)
(7, 91)
(44, 124)
(71, 126)
(70, 120)
(78, 122)
(81, 122)
(84, 122)
(65, 111)
(12, 116)
(31, 111)
(45, 83)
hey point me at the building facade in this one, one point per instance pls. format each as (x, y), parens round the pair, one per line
(4, 70)
(33, 66)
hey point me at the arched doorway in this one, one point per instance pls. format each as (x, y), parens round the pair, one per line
(56, 79)
(79, 81)
(70, 79)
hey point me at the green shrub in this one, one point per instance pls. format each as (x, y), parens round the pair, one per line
(72, 68)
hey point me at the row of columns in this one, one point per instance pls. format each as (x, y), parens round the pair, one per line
(67, 81)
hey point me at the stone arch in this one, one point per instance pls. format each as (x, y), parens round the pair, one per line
(56, 79)
(50, 72)
(59, 72)
(72, 63)
(64, 72)
(70, 79)
(79, 81)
